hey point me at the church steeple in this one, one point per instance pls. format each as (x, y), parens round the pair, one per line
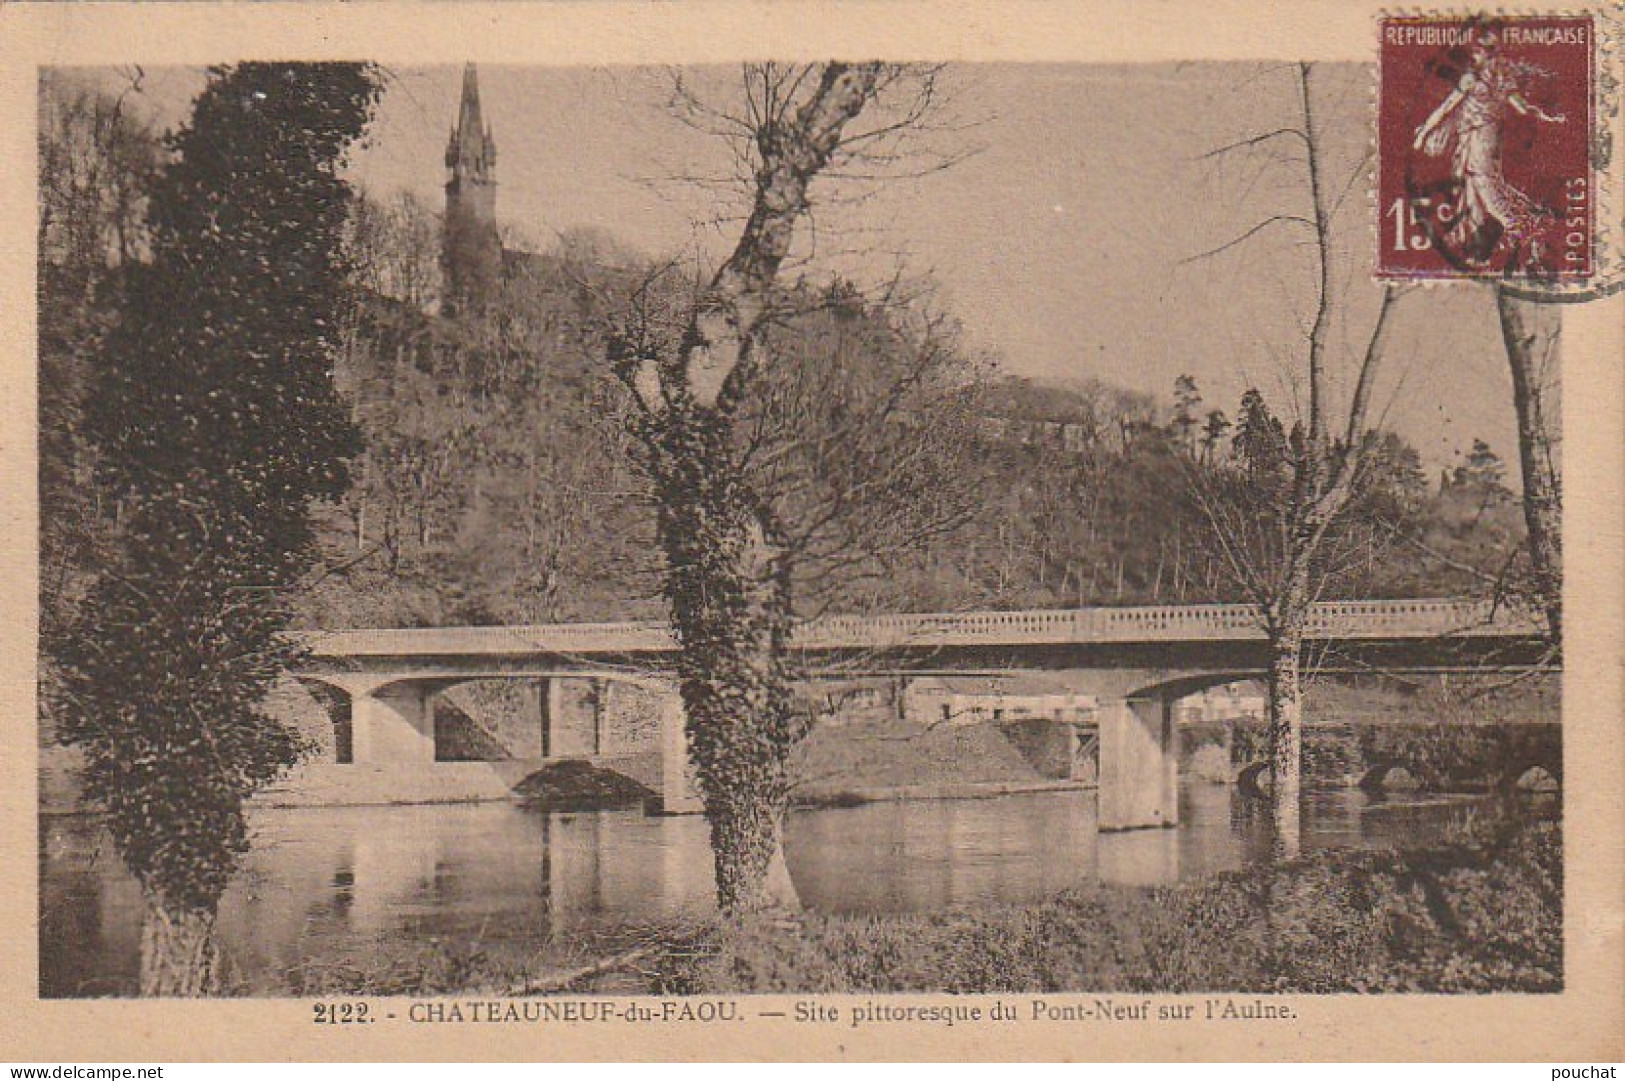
(472, 251)
(471, 153)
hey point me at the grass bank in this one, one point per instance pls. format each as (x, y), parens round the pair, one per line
(1480, 914)
(1475, 916)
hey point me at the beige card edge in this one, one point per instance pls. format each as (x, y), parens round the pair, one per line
(1586, 1022)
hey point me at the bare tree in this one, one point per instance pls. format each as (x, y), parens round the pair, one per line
(858, 434)
(707, 379)
(1533, 332)
(97, 161)
(493, 485)
(1275, 540)
(395, 245)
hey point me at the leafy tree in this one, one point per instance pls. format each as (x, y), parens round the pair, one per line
(1260, 442)
(1483, 471)
(217, 427)
(1214, 428)
(1187, 403)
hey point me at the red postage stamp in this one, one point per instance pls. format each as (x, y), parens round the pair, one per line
(1483, 148)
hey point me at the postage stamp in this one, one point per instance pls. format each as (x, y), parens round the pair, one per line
(1483, 146)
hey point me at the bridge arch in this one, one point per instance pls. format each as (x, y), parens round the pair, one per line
(1378, 775)
(387, 719)
(409, 697)
(1184, 684)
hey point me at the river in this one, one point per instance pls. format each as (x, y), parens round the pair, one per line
(326, 886)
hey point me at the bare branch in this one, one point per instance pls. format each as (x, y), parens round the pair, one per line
(1256, 140)
(1295, 219)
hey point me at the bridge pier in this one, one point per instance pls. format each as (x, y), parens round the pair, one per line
(393, 724)
(1139, 763)
(678, 794)
(572, 716)
(573, 726)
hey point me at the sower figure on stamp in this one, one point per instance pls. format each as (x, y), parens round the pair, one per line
(1491, 213)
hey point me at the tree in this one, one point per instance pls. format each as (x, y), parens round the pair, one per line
(1481, 476)
(493, 486)
(857, 434)
(217, 427)
(1482, 472)
(697, 374)
(394, 248)
(1187, 401)
(1273, 531)
(1214, 429)
(1532, 332)
(96, 162)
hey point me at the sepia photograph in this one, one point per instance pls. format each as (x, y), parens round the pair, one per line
(523, 538)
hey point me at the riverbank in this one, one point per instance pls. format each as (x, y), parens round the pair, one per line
(1474, 916)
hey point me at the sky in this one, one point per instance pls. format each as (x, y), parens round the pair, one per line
(1069, 240)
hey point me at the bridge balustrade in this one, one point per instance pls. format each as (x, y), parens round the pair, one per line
(1336, 619)
(1354, 619)
(1176, 622)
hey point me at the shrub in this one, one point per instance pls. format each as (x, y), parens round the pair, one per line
(1442, 757)
(1480, 915)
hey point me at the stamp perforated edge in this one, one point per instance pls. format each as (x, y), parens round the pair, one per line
(1607, 80)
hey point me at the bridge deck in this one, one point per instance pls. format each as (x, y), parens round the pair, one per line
(1331, 621)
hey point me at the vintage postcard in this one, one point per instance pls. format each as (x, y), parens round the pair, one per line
(812, 530)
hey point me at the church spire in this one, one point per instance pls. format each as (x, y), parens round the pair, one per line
(471, 151)
(471, 250)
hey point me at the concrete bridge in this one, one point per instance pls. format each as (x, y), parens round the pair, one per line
(1133, 663)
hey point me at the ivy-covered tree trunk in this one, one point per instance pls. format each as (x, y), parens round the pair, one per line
(1532, 332)
(729, 589)
(217, 425)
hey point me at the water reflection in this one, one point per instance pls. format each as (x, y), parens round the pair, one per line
(322, 883)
